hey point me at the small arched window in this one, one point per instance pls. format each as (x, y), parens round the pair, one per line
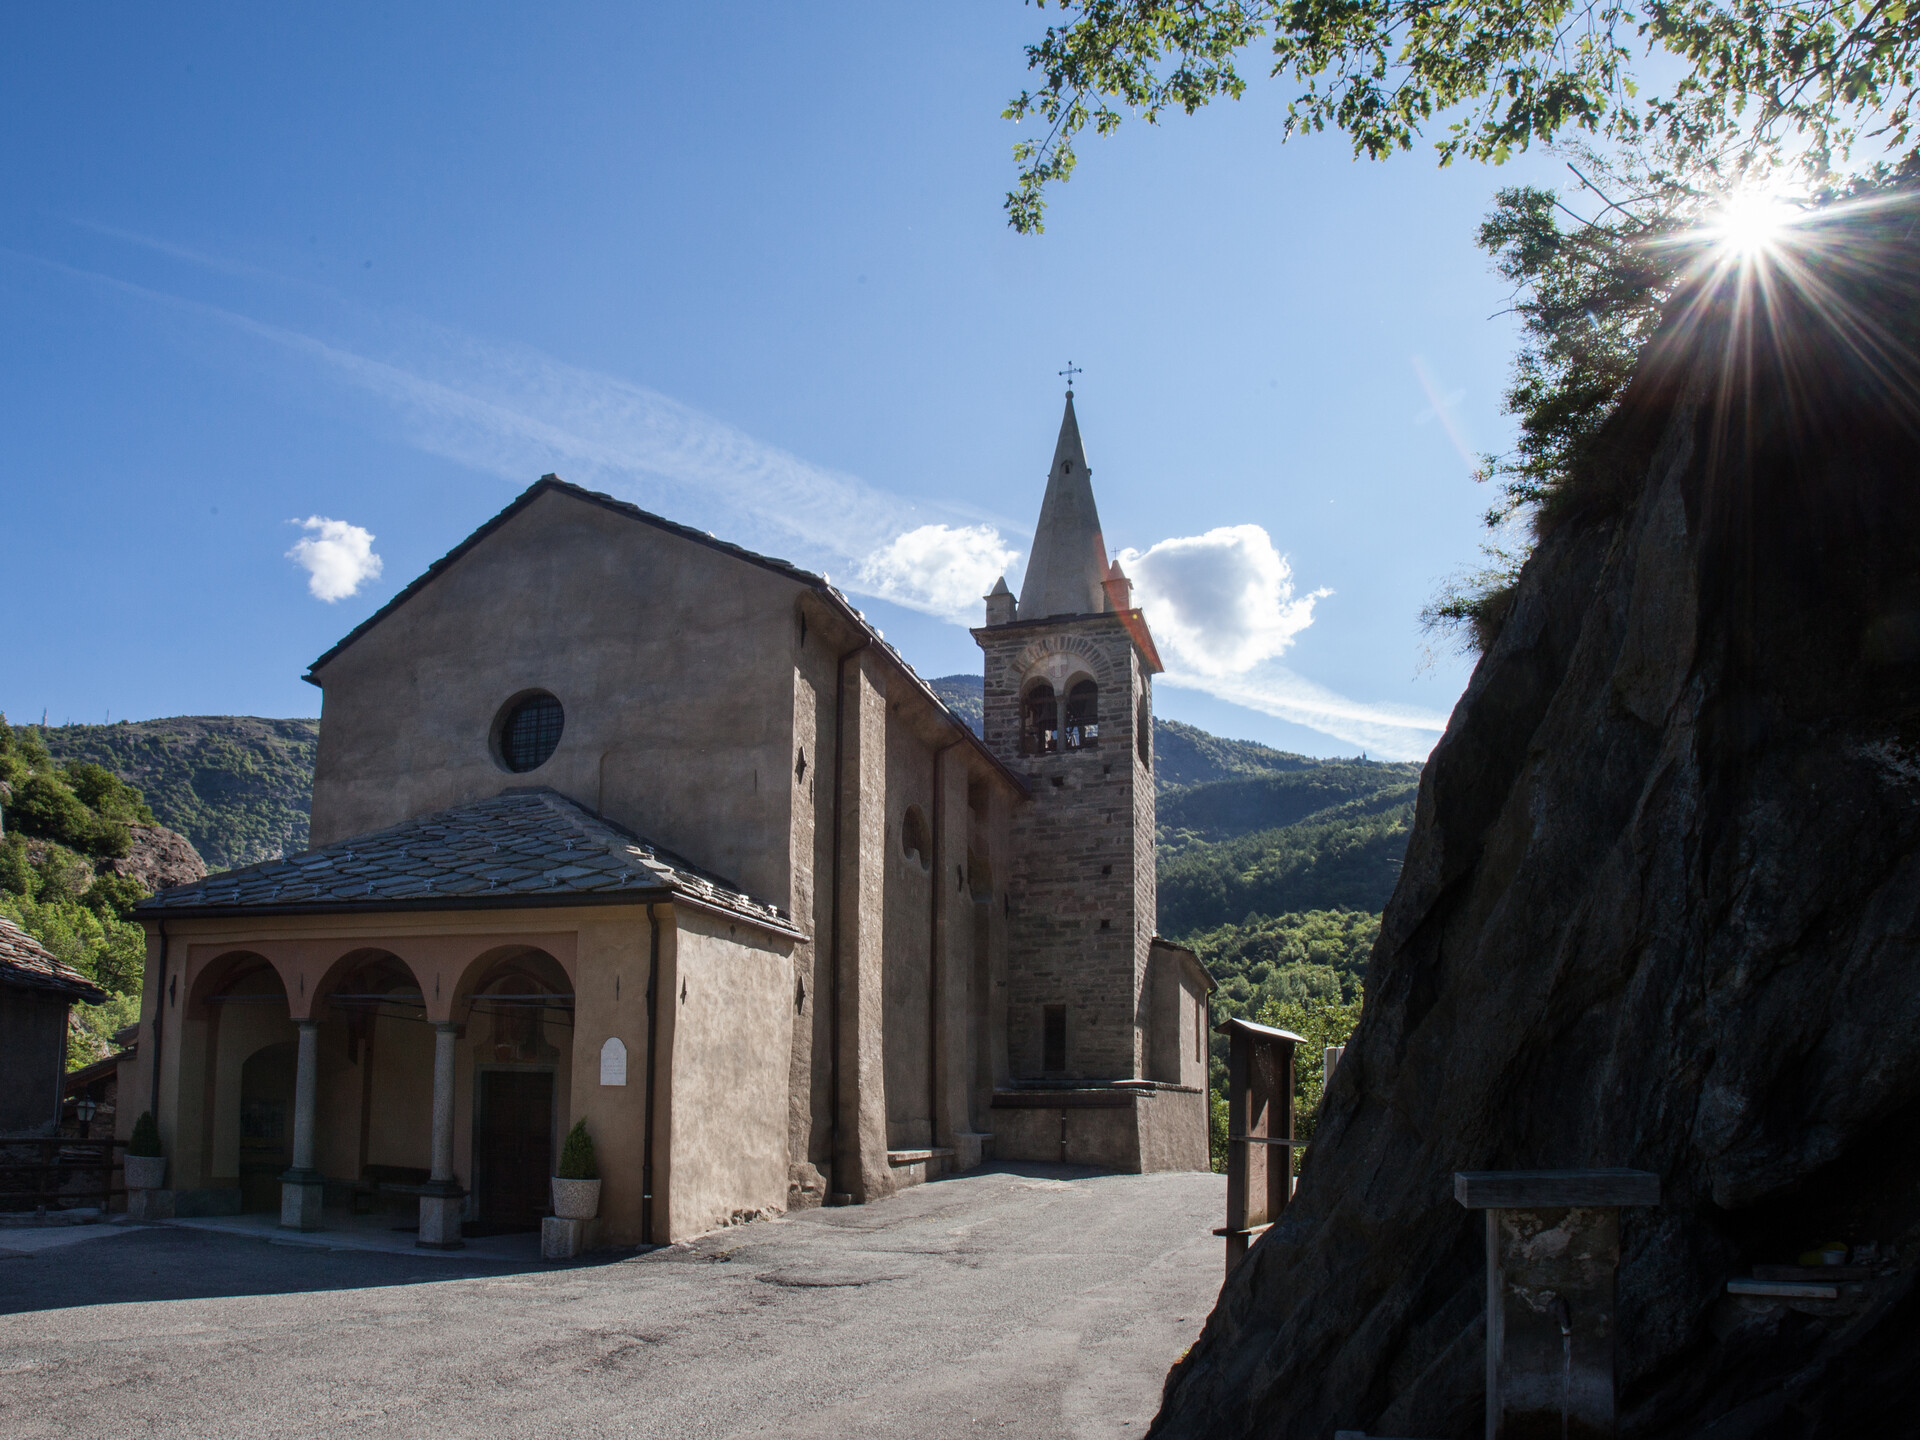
(915, 842)
(530, 732)
(1040, 721)
(1083, 716)
(1143, 733)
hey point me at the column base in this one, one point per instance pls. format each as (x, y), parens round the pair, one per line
(143, 1205)
(300, 1202)
(564, 1239)
(440, 1217)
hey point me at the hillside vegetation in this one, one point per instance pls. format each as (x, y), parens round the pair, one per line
(66, 825)
(239, 787)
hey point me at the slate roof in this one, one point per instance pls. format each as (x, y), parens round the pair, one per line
(26, 962)
(530, 846)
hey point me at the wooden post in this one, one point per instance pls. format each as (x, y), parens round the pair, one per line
(1260, 1131)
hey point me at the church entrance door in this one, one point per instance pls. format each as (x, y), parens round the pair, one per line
(266, 1125)
(513, 1147)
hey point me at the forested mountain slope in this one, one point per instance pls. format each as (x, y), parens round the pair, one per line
(238, 786)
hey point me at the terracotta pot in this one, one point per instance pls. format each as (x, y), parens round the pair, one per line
(576, 1199)
(146, 1172)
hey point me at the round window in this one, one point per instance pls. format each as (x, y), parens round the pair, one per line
(530, 731)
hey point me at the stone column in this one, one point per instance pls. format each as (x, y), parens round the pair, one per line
(1553, 1245)
(302, 1187)
(442, 1208)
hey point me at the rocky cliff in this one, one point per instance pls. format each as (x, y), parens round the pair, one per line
(1660, 908)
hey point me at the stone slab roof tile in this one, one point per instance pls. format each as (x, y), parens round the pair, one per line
(24, 961)
(525, 842)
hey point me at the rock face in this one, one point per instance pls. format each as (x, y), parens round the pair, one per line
(1660, 909)
(160, 857)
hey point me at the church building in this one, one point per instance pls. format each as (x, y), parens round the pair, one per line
(616, 822)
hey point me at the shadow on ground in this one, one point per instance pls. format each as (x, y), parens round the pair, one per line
(165, 1263)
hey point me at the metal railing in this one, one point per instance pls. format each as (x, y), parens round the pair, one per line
(40, 1173)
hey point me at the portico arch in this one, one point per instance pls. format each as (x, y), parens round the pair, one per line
(236, 1009)
(510, 1063)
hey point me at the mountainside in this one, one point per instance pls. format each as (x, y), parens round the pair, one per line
(238, 787)
(1250, 830)
(1184, 755)
(1660, 909)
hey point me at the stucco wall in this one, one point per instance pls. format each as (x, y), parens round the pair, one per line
(673, 662)
(907, 937)
(1173, 1130)
(610, 1000)
(731, 1006)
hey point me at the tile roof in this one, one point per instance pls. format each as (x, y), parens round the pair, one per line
(25, 961)
(529, 846)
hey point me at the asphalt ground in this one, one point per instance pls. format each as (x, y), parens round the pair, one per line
(1023, 1301)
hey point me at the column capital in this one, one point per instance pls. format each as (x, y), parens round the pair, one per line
(309, 1023)
(445, 1027)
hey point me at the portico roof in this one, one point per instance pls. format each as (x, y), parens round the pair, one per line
(524, 847)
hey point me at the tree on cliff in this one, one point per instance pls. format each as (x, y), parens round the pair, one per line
(1502, 76)
(1762, 82)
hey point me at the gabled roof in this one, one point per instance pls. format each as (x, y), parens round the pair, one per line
(553, 484)
(25, 962)
(524, 847)
(1160, 942)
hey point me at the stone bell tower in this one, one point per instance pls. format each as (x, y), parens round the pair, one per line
(1069, 706)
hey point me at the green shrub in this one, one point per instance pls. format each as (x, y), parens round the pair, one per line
(146, 1136)
(576, 1155)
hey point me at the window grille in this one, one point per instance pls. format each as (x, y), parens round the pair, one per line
(532, 732)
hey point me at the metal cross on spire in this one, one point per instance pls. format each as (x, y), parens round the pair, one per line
(1071, 371)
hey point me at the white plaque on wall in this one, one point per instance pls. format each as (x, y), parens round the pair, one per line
(613, 1062)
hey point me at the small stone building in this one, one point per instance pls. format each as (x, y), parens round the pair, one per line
(37, 991)
(615, 821)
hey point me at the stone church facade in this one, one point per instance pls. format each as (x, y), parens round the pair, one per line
(615, 822)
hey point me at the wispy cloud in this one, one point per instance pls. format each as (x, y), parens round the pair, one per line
(1223, 605)
(1441, 407)
(1385, 732)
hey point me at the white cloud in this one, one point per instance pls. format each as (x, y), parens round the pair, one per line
(1221, 602)
(338, 557)
(939, 569)
(1223, 607)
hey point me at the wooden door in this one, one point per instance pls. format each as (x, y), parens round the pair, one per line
(513, 1146)
(266, 1125)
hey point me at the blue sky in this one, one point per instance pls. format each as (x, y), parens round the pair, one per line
(745, 265)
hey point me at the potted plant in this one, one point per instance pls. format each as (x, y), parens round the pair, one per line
(576, 1189)
(146, 1167)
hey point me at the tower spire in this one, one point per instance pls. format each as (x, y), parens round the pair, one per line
(1068, 566)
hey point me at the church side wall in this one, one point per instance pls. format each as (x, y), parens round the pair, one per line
(809, 1109)
(673, 662)
(907, 942)
(731, 999)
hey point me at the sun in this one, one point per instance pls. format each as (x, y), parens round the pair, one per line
(1749, 223)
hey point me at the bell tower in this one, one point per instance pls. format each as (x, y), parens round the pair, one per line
(1069, 707)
